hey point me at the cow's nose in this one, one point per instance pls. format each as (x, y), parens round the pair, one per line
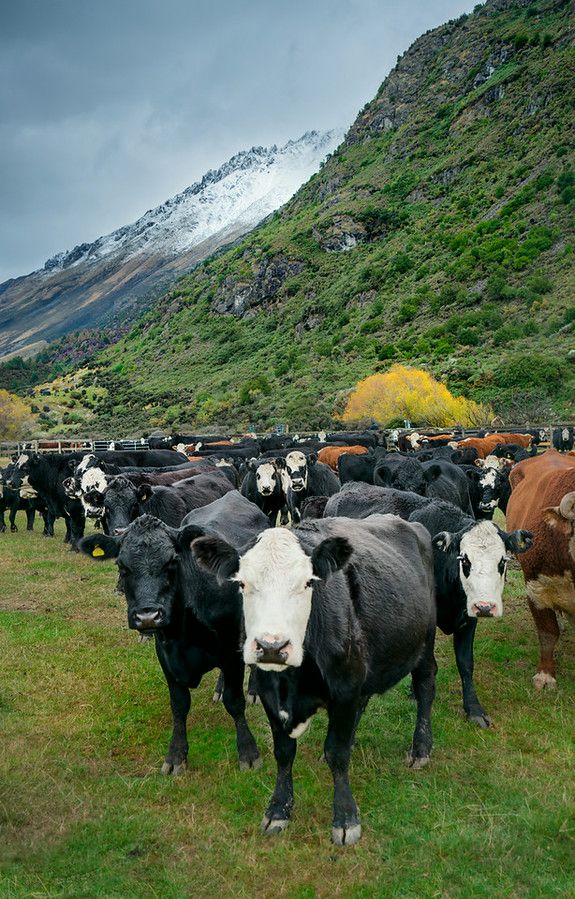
(273, 652)
(148, 619)
(484, 609)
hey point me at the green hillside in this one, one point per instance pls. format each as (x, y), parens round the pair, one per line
(441, 233)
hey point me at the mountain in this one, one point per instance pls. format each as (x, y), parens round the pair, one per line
(441, 233)
(126, 269)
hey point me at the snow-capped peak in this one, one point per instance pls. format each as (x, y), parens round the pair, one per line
(235, 197)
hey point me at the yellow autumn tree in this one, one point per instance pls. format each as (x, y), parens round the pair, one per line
(15, 418)
(413, 394)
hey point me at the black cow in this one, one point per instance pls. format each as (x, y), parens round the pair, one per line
(196, 621)
(313, 507)
(262, 486)
(470, 562)
(513, 452)
(439, 479)
(358, 500)
(356, 468)
(122, 502)
(304, 476)
(46, 474)
(346, 611)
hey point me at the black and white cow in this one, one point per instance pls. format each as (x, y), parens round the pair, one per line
(304, 476)
(562, 439)
(262, 485)
(470, 562)
(495, 490)
(122, 502)
(195, 619)
(334, 611)
(46, 475)
(16, 498)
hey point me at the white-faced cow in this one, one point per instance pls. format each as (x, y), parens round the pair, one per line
(334, 611)
(262, 485)
(304, 476)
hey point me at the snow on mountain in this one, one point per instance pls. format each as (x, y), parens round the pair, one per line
(120, 274)
(246, 189)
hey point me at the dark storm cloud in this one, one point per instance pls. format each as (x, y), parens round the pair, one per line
(107, 107)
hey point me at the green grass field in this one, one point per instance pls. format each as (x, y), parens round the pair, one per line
(85, 723)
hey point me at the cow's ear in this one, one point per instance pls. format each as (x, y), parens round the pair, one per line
(473, 474)
(384, 474)
(216, 556)
(144, 492)
(432, 473)
(553, 519)
(312, 459)
(443, 541)
(100, 546)
(252, 464)
(183, 536)
(280, 463)
(331, 555)
(518, 541)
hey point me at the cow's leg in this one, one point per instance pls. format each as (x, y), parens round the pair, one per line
(463, 646)
(278, 812)
(423, 681)
(548, 633)
(30, 516)
(235, 704)
(177, 755)
(218, 689)
(342, 721)
(67, 535)
(252, 696)
(284, 516)
(12, 517)
(2, 519)
(77, 526)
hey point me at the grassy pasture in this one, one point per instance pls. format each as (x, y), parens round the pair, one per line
(85, 722)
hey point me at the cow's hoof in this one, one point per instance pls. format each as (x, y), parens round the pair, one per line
(482, 719)
(544, 681)
(275, 825)
(174, 769)
(252, 698)
(13, 529)
(346, 836)
(417, 762)
(250, 764)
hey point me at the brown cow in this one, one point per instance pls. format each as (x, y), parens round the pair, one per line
(543, 500)
(486, 445)
(330, 454)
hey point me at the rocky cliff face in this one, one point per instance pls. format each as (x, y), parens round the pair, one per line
(121, 273)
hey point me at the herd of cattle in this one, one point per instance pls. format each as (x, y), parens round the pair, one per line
(386, 543)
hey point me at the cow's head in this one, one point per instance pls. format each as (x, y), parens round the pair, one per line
(119, 504)
(492, 483)
(408, 475)
(147, 555)
(267, 476)
(276, 579)
(295, 465)
(480, 553)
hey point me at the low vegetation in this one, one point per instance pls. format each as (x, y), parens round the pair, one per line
(405, 393)
(85, 722)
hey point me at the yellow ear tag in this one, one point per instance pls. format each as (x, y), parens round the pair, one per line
(98, 551)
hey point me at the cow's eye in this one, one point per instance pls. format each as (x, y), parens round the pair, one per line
(465, 565)
(309, 584)
(503, 565)
(241, 585)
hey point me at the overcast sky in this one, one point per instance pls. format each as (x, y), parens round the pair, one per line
(108, 107)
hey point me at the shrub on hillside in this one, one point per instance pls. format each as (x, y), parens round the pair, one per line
(528, 370)
(413, 394)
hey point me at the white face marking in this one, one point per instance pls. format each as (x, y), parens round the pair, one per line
(321, 436)
(93, 479)
(414, 440)
(482, 568)
(487, 479)
(181, 448)
(294, 461)
(21, 460)
(276, 575)
(266, 478)
(87, 460)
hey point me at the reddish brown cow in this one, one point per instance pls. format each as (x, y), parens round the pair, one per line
(486, 445)
(330, 454)
(543, 501)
